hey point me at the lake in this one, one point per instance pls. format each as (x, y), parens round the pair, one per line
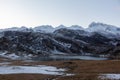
(62, 57)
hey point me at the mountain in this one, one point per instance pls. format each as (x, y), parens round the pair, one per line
(104, 29)
(75, 27)
(94, 27)
(23, 29)
(44, 28)
(98, 39)
(60, 26)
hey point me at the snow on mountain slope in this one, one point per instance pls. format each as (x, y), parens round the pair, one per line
(60, 26)
(50, 29)
(44, 28)
(23, 29)
(100, 27)
(73, 27)
(76, 27)
(104, 29)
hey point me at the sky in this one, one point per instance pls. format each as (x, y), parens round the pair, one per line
(31, 13)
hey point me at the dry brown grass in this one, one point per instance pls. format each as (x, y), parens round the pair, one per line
(83, 70)
(26, 77)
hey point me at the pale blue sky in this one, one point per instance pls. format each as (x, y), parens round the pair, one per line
(32, 13)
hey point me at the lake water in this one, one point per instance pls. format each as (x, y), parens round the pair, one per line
(60, 58)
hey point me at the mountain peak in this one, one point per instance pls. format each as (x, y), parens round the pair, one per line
(76, 27)
(97, 24)
(105, 29)
(61, 26)
(44, 28)
(103, 25)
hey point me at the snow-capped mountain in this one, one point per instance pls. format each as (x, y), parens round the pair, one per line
(23, 29)
(44, 28)
(46, 40)
(100, 27)
(73, 27)
(104, 29)
(47, 28)
(76, 27)
(60, 26)
(93, 27)
(109, 31)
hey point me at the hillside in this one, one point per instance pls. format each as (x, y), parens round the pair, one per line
(98, 40)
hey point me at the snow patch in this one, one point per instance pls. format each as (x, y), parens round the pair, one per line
(55, 51)
(110, 76)
(69, 74)
(39, 69)
(4, 63)
(11, 56)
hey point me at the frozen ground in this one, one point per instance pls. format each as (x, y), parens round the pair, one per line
(4, 63)
(5, 68)
(31, 69)
(110, 76)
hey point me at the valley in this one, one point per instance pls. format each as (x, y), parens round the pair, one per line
(61, 53)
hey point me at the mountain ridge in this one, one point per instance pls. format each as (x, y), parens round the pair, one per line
(63, 41)
(97, 25)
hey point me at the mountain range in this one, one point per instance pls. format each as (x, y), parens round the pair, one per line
(98, 39)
